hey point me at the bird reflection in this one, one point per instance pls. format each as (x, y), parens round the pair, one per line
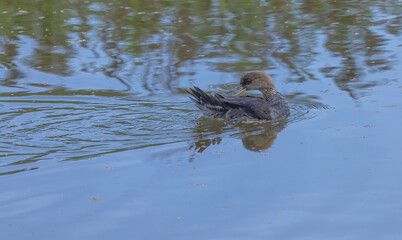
(256, 135)
(261, 141)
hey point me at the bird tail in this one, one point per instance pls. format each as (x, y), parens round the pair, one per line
(210, 105)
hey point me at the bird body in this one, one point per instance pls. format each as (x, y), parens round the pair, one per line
(271, 106)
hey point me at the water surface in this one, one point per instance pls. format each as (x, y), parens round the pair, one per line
(99, 140)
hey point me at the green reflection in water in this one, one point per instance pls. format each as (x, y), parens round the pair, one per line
(114, 71)
(161, 40)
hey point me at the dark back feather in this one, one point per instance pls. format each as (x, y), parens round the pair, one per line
(239, 107)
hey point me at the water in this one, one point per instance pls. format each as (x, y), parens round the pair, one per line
(99, 139)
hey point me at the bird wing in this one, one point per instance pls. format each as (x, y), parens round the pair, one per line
(251, 106)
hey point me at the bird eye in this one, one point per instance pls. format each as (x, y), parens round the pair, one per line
(245, 81)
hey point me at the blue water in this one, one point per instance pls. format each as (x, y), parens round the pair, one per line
(99, 140)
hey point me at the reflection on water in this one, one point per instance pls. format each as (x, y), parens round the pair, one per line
(262, 137)
(96, 129)
(80, 79)
(148, 48)
(255, 135)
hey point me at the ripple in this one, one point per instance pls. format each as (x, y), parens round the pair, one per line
(38, 128)
(303, 108)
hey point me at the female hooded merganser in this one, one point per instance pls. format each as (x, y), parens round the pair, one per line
(271, 106)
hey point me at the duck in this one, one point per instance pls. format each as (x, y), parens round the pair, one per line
(270, 106)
